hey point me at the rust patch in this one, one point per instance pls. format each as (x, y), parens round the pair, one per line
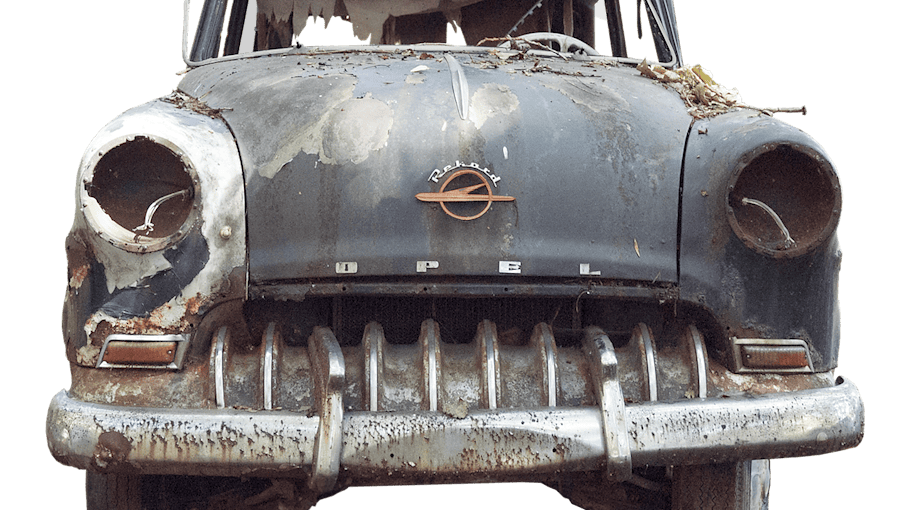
(78, 275)
(727, 383)
(112, 449)
(193, 304)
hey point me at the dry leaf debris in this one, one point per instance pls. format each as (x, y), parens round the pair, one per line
(703, 96)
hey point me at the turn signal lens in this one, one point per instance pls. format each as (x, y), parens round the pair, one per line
(140, 353)
(143, 351)
(777, 355)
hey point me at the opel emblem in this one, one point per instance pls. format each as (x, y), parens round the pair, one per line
(465, 185)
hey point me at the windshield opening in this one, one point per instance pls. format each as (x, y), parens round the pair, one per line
(630, 30)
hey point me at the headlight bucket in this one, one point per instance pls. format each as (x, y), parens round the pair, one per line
(783, 200)
(138, 193)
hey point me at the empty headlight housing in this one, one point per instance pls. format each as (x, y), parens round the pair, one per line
(139, 193)
(783, 200)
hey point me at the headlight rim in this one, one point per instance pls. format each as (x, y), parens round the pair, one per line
(803, 246)
(108, 228)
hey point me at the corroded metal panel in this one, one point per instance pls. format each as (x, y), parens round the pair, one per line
(338, 148)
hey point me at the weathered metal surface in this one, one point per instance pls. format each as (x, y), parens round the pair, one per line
(808, 422)
(114, 290)
(321, 192)
(532, 370)
(378, 436)
(605, 378)
(751, 294)
(492, 265)
(484, 444)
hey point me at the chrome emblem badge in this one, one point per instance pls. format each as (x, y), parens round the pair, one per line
(466, 184)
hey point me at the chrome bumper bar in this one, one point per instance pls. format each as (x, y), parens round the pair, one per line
(433, 447)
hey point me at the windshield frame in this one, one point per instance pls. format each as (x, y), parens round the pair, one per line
(656, 20)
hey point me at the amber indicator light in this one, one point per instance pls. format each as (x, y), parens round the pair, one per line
(776, 357)
(140, 353)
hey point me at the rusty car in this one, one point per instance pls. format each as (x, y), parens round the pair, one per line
(531, 255)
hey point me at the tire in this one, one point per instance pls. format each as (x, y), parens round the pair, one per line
(153, 492)
(728, 486)
(592, 492)
(112, 492)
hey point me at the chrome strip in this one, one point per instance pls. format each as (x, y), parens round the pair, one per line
(550, 346)
(649, 357)
(430, 345)
(374, 387)
(789, 424)
(186, 29)
(698, 344)
(542, 339)
(373, 345)
(605, 375)
(459, 86)
(490, 355)
(219, 367)
(267, 366)
(328, 367)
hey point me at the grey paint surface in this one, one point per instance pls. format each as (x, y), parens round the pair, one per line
(335, 148)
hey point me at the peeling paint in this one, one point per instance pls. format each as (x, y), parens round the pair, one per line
(124, 269)
(354, 130)
(87, 355)
(309, 138)
(490, 101)
(220, 203)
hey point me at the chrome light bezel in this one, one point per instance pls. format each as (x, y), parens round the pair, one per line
(809, 181)
(112, 231)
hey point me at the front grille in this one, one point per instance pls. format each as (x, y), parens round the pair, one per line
(401, 317)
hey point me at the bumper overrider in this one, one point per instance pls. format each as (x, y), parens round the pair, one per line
(332, 445)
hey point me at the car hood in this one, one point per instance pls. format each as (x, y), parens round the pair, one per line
(338, 149)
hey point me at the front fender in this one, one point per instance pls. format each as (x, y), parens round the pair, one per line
(117, 290)
(755, 293)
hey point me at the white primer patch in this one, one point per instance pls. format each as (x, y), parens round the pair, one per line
(490, 101)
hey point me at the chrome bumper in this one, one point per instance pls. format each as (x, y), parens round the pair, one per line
(433, 447)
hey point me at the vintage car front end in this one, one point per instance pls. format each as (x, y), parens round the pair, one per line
(429, 264)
